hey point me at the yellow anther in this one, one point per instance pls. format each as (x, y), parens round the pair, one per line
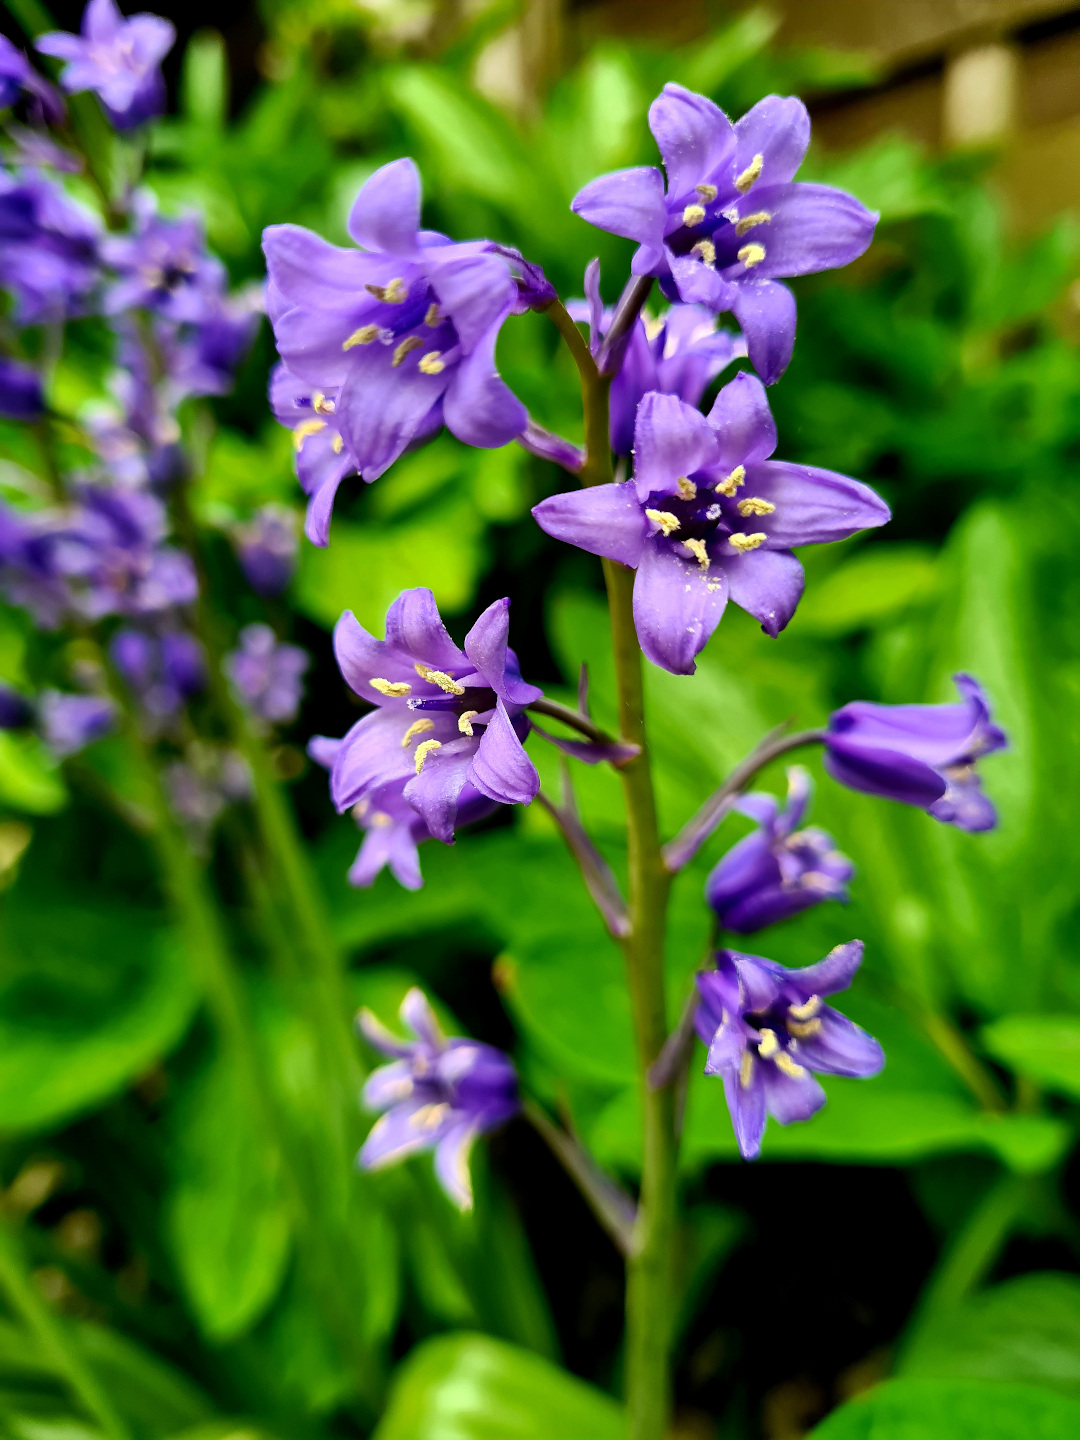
(700, 554)
(693, 215)
(755, 505)
(304, 429)
(364, 336)
(653, 325)
(432, 317)
(429, 1117)
(321, 405)
(418, 727)
(707, 193)
(759, 217)
(750, 174)
(686, 488)
(804, 1012)
(393, 293)
(751, 255)
(745, 543)
(746, 1069)
(411, 342)
(784, 1062)
(465, 720)
(381, 820)
(396, 689)
(338, 445)
(706, 249)
(729, 485)
(769, 1044)
(423, 750)
(439, 678)
(803, 1029)
(668, 523)
(431, 363)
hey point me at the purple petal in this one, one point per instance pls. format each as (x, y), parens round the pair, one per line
(747, 866)
(800, 789)
(770, 905)
(791, 1097)
(434, 793)
(361, 657)
(307, 270)
(693, 135)
(840, 1047)
(743, 422)
(381, 407)
(477, 291)
(479, 408)
(485, 645)
(677, 606)
(760, 981)
(386, 213)
(834, 973)
(699, 283)
(637, 374)
(767, 584)
(964, 805)
(777, 129)
(813, 227)
(414, 627)
(323, 750)
(813, 507)
(590, 752)
(371, 755)
(765, 311)
(500, 768)
(61, 44)
(396, 1135)
(883, 772)
(937, 734)
(452, 1163)
(603, 519)
(389, 845)
(671, 440)
(382, 1039)
(320, 509)
(416, 1012)
(626, 202)
(388, 1085)
(102, 21)
(746, 1105)
(596, 304)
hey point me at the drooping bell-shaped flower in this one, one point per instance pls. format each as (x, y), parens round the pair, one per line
(120, 60)
(768, 1030)
(438, 1094)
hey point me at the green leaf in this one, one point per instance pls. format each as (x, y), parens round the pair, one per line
(874, 585)
(205, 80)
(470, 1387)
(88, 1001)
(1046, 1048)
(226, 1218)
(150, 1393)
(953, 1410)
(30, 779)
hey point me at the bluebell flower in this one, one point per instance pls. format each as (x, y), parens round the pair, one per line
(120, 60)
(266, 547)
(48, 249)
(163, 267)
(68, 723)
(267, 675)
(322, 458)
(164, 669)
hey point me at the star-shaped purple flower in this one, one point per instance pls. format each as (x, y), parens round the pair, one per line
(776, 871)
(164, 267)
(267, 675)
(402, 332)
(118, 59)
(446, 719)
(163, 669)
(767, 1029)
(708, 517)
(68, 723)
(438, 1094)
(919, 754)
(731, 224)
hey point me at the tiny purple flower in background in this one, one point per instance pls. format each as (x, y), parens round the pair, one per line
(17, 76)
(68, 723)
(731, 223)
(202, 359)
(120, 60)
(48, 249)
(776, 871)
(708, 517)
(267, 675)
(766, 1030)
(200, 786)
(20, 391)
(164, 267)
(919, 754)
(398, 337)
(164, 670)
(438, 1094)
(266, 548)
(448, 722)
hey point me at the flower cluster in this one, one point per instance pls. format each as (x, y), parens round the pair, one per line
(267, 675)
(116, 58)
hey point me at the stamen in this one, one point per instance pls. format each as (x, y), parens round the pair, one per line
(465, 720)
(784, 1062)
(381, 820)
(804, 1012)
(338, 445)
(686, 488)
(653, 325)
(394, 688)
(321, 405)
(733, 481)
(432, 318)
(364, 336)
(769, 1044)
(423, 750)
(707, 192)
(746, 1069)
(745, 543)
(706, 249)
(416, 728)
(759, 217)
(304, 429)
(431, 364)
(393, 293)
(751, 255)
(755, 505)
(693, 215)
(700, 554)
(803, 1029)
(411, 342)
(750, 174)
(429, 1117)
(668, 523)
(438, 677)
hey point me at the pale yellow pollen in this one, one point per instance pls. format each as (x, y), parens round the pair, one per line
(432, 318)
(686, 488)
(321, 405)
(431, 364)
(706, 249)
(411, 342)
(423, 750)
(755, 505)
(746, 1069)
(381, 820)
(752, 255)
(364, 336)
(769, 1044)
(465, 720)
(693, 215)
(418, 727)
(784, 1062)
(748, 222)
(700, 554)
(745, 543)
(304, 429)
(653, 325)
(429, 1117)
(750, 174)
(393, 293)
(438, 677)
(338, 445)
(707, 192)
(394, 688)
(804, 1012)
(729, 485)
(803, 1029)
(668, 523)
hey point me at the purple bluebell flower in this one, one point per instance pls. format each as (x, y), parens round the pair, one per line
(446, 719)
(922, 755)
(68, 723)
(437, 1094)
(402, 333)
(200, 786)
(708, 517)
(164, 670)
(16, 712)
(202, 359)
(48, 249)
(18, 77)
(36, 149)
(767, 1029)
(322, 458)
(267, 675)
(731, 223)
(20, 391)
(120, 60)
(164, 267)
(266, 548)
(776, 871)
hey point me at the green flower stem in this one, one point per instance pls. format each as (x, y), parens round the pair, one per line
(57, 1345)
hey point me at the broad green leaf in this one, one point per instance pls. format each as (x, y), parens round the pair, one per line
(1046, 1048)
(154, 1396)
(205, 82)
(873, 585)
(30, 779)
(953, 1410)
(470, 1387)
